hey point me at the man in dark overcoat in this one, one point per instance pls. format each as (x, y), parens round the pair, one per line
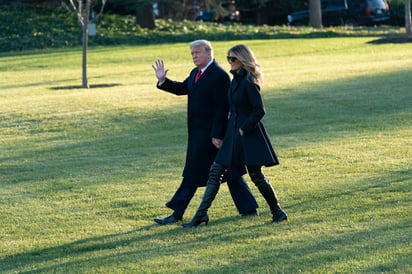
(207, 111)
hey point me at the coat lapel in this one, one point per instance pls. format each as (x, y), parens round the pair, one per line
(192, 86)
(191, 81)
(234, 86)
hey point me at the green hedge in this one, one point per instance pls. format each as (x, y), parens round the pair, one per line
(34, 28)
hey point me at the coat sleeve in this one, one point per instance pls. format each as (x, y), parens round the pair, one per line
(175, 87)
(221, 106)
(258, 109)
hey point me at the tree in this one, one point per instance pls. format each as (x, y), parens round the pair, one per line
(260, 12)
(315, 14)
(145, 15)
(141, 9)
(408, 18)
(82, 9)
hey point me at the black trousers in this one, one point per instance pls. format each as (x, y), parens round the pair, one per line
(243, 198)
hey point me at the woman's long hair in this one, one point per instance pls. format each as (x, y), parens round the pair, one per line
(248, 60)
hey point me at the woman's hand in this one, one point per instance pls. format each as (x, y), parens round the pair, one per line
(241, 132)
(217, 142)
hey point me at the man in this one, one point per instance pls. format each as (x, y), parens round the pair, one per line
(207, 111)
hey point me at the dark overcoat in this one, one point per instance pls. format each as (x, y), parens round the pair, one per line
(246, 112)
(207, 110)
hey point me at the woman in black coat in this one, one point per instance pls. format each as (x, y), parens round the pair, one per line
(246, 141)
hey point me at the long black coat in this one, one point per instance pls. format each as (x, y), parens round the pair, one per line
(207, 109)
(246, 111)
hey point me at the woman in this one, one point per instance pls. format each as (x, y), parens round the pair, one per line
(246, 141)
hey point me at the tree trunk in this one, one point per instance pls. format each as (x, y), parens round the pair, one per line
(315, 14)
(408, 18)
(82, 9)
(145, 16)
(85, 26)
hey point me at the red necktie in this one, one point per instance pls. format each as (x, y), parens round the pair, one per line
(199, 72)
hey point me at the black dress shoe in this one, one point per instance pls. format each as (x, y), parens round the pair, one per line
(166, 220)
(250, 213)
(279, 216)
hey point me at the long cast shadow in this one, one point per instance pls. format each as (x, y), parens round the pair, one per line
(379, 239)
(312, 115)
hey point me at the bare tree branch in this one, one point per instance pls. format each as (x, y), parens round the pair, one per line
(101, 10)
(82, 9)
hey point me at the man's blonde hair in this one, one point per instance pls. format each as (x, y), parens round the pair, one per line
(203, 43)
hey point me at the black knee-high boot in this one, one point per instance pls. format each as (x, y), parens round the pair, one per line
(266, 189)
(212, 187)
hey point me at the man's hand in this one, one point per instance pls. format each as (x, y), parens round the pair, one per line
(217, 142)
(159, 69)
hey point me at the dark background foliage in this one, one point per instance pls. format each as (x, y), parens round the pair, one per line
(26, 25)
(271, 12)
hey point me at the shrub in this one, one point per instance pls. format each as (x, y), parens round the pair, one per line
(25, 28)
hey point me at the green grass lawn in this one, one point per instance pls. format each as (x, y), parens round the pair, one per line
(83, 172)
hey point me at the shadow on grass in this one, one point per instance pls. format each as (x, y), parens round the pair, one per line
(319, 251)
(392, 40)
(329, 108)
(90, 86)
